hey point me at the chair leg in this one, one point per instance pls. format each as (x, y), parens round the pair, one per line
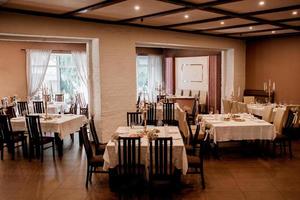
(42, 153)
(53, 149)
(274, 148)
(87, 176)
(12, 147)
(91, 172)
(24, 148)
(290, 148)
(202, 178)
(1, 149)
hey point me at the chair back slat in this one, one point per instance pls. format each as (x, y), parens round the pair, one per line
(161, 158)
(129, 149)
(34, 127)
(94, 132)
(151, 114)
(10, 112)
(134, 118)
(38, 106)
(5, 128)
(168, 113)
(23, 108)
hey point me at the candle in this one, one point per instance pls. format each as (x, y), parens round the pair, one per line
(269, 82)
(239, 91)
(273, 86)
(265, 86)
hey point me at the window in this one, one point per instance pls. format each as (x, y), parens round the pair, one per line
(149, 75)
(61, 76)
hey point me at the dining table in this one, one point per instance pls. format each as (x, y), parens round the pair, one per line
(238, 127)
(179, 153)
(61, 124)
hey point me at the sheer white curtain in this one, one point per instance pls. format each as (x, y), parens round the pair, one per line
(154, 75)
(80, 61)
(36, 67)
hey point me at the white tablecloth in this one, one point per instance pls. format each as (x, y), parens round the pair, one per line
(179, 153)
(258, 110)
(250, 129)
(62, 124)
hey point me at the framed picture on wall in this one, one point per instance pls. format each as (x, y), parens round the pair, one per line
(192, 73)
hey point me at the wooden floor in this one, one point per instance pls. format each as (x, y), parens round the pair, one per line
(232, 177)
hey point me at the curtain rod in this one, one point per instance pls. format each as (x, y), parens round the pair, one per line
(54, 50)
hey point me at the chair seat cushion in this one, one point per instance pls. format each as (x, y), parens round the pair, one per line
(194, 161)
(97, 160)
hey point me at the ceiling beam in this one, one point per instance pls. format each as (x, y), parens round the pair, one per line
(232, 14)
(187, 6)
(287, 8)
(251, 18)
(100, 21)
(257, 31)
(248, 24)
(95, 6)
(258, 37)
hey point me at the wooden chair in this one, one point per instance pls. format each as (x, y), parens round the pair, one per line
(161, 161)
(99, 147)
(23, 108)
(191, 116)
(93, 162)
(59, 97)
(37, 141)
(151, 114)
(1, 111)
(169, 114)
(85, 111)
(284, 130)
(134, 118)
(196, 162)
(72, 110)
(38, 107)
(10, 138)
(129, 155)
(1, 145)
(10, 112)
(161, 98)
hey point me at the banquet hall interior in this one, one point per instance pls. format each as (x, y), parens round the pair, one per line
(149, 99)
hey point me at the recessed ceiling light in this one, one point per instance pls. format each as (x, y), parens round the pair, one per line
(273, 32)
(222, 22)
(261, 3)
(186, 16)
(295, 12)
(250, 27)
(84, 11)
(137, 7)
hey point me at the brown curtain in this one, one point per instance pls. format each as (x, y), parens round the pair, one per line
(214, 86)
(169, 75)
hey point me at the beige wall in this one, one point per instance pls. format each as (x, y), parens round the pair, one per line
(276, 59)
(13, 64)
(117, 56)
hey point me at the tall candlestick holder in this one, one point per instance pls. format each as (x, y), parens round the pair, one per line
(269, 89)
(46, 98)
